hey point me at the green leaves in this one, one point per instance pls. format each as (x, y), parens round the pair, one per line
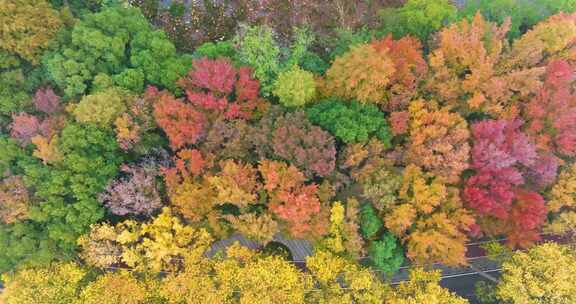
(350, 122)
(370, 222)
(66, 194)
(386, 254)
(523, 14)
(119, 42)
(259, 50)
(418, 18)
(295, 87)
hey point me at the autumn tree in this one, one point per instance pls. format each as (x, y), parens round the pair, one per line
(14, 200)
(292, 200)
(181, 122)
(362, 74)
(306, 146)
(33, 25)
(350, 122)
(54, 284)
(551, 114)
(429, 219)
(257, 227)
(548, 40)
(135, 125)
(438, 140)
(544, 274)
(230, 139)
(468, 70)
(385, 72)
(24, 127)
(374, 172)
(343, 236)
(136, 193)
(410, 69)
(219, 88)
(239, 276)
(99, 247)
(500, 150)
(190, 195)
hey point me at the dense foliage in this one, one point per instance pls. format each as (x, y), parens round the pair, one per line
(137, 137)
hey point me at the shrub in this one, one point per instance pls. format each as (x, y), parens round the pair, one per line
(295, 87)
(350, 122)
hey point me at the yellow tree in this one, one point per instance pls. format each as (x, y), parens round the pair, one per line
(27, 27)
(361, 74)
(423, 287)
(55, 284)
(544, 274)
(116, 288)
(154, 246)
(438, 140)
(562, 203)
(239, 276)
(430, 220)
(342, 281)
